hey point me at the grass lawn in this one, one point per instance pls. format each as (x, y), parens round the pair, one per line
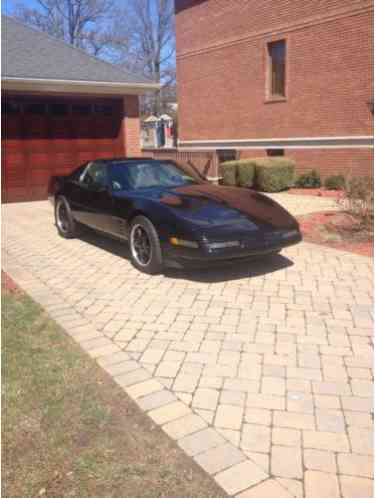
(69, 431)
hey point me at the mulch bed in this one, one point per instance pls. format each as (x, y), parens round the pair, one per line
(8, 285)
(338, 230)
(317, 192)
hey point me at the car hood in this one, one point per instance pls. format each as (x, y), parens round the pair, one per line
(208, 207)
(211, 206)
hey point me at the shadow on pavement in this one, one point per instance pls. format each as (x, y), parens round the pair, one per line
(233, 270)
(223, 272)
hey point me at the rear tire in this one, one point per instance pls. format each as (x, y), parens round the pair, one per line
(66, 226)
(145, 250)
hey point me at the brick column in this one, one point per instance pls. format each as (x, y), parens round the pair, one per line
(131, 126)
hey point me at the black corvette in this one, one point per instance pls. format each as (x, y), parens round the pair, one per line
(169, 214)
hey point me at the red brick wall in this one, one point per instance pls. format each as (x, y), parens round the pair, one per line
(221, 71)
(131, 126)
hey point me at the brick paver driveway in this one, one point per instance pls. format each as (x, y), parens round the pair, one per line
(262, 373)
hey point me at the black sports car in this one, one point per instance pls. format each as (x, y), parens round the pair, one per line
(169, 214)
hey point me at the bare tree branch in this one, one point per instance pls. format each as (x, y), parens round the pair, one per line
(147, 27)
(77, 22)
(139, 36)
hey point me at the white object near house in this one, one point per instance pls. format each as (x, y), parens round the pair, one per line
(157, 132)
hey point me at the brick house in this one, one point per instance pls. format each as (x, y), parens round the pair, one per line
(60, 108)
(277, 77)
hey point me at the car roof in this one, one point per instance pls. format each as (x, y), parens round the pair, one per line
(124, 159)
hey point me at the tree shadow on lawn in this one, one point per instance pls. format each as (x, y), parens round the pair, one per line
(220, 272)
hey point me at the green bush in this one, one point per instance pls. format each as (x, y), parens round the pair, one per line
(274, 174)
(240, 172)
(229, 173)
(309, 180)
(245, 173)
(334, 182)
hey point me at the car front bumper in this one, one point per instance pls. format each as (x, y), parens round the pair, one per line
(181, 257)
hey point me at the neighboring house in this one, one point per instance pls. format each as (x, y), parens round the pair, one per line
(278, 77)
(157, 132)
(62, 107)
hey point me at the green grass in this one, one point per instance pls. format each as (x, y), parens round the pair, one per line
(69, 431)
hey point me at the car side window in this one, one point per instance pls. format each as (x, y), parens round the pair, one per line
(95, 176)
(119, 177)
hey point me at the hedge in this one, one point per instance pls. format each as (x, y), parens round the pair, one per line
(229, 173)
(274, 174)
(269, 174)
(240, 172)
(245, 173)
(335, 182)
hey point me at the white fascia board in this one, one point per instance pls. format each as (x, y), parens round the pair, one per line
(338, 142)
(78, 86)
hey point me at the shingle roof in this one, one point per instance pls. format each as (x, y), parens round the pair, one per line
(29, 53)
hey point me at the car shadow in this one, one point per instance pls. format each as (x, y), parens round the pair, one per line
(233, 270)
(223, 272)
(109, 244)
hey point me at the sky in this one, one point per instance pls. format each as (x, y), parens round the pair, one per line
(8, 5)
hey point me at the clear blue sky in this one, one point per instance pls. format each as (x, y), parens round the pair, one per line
(8, 5)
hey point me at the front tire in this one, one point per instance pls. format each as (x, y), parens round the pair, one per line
(66, 226)
(145, 250)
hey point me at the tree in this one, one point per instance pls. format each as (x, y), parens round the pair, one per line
(138, 36)
(78, 22)
(143, 36)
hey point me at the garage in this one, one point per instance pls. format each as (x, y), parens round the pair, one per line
(51, 136)
(60, 108)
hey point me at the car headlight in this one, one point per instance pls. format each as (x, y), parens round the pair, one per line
(185, 243)
(224, 245)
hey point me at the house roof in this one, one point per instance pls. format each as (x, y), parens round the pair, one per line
(151, 119)
(30, 55)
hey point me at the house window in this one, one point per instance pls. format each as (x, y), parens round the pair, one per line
(275, 152)
(276, 68)
(226, 155)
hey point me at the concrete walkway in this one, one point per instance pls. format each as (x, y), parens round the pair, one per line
(261, 373)
(304, 204)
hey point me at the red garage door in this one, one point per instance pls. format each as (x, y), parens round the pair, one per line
(43, 137)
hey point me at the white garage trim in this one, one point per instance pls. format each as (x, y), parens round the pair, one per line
(75, 86)
(348, 142)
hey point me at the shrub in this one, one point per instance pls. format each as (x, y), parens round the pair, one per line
(229, 173)
(245, 173)
(240, 172)
(309, 180)
(334, 182)
(359, 199)
(274, 174)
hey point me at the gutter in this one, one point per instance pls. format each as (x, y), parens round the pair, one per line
(78, 86)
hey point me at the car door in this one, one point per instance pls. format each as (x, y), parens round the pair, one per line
(122, 201)
(92, 198)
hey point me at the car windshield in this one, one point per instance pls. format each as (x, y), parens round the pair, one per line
(150, 174)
